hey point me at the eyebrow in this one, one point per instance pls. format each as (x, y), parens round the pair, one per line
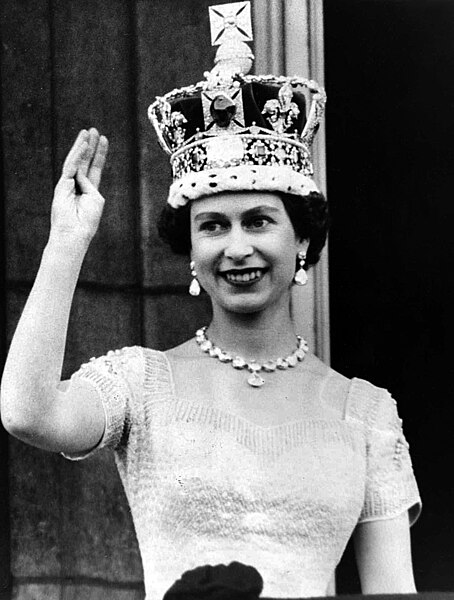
(247, 213)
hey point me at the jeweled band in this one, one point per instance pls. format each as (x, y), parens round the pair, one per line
(241, 149)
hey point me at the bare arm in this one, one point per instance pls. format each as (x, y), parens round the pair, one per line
(383, 555)
(34, 406)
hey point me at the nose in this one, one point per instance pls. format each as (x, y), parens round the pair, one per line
(238, 245)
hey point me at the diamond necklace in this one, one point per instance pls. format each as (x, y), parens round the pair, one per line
(252, 366)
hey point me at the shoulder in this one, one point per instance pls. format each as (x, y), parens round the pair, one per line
(326, 385)
(114, 361)
(186, 350)
(130, 362)
(187, 359)
(372, 405)
(356, 398)
(130, 371)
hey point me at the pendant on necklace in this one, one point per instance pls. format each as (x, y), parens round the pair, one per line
(255, 380)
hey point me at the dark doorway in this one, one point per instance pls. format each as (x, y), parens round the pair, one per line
(390, 157)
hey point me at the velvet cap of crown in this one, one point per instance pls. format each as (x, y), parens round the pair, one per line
(234, 131)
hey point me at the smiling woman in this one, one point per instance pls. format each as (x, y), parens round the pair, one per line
(244, 248)
(238, 445)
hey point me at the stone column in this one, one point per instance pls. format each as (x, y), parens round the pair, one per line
(288, 36)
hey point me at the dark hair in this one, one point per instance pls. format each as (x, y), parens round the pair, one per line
(308, 214)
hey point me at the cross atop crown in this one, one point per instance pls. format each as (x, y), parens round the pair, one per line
(227, 20)
(231, 28)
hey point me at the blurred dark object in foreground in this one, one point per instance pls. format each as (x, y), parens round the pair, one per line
(220, 582)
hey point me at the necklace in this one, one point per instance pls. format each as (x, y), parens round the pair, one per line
(237, 362)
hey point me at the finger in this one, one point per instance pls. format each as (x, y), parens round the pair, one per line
(85, 185)
(70, 167)
(93, 139)
(98, 162)
(65, 186)
(74, 155)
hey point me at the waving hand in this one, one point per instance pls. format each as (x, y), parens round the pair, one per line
(77, 206)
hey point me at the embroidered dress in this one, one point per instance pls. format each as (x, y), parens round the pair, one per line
(208, 487)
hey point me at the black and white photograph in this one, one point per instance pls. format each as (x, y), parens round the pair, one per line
(226, 285)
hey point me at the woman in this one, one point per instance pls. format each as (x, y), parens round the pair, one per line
(274, 463)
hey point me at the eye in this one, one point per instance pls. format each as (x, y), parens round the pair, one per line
(212, 226)
(258, 222)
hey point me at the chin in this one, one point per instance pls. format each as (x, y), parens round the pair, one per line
(247, 304)
(247, 301)
(246, 309)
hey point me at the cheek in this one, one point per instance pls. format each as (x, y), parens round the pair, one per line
(204, 253)
(284, 250)
(289, 264)
(286, 261)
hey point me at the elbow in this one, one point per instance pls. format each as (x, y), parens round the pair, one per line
(24, 417)
(13, 426)
(20, 427)
(6, 414)
(16, 419)
(12, 421)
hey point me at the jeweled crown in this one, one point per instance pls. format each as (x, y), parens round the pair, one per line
(233, 119)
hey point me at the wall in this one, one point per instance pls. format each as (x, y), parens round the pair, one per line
(68, 65)
(390, 159)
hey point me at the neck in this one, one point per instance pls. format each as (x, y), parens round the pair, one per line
(262, 336)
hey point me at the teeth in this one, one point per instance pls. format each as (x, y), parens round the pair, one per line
(243, 277)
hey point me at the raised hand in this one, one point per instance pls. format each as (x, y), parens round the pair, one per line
(77, 206)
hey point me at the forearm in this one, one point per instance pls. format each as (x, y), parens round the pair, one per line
(33, 367)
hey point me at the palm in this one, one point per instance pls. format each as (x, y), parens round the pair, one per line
(77, 205)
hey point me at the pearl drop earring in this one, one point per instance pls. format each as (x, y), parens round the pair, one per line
(194, 288)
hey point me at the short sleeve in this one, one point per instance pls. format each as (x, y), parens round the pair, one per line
(391, 486)
(116, 378)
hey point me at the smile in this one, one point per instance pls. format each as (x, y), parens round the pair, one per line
(243, 276)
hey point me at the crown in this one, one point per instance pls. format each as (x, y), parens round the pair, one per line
(235, 131)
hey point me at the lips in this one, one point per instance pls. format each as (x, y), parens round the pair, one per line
(243, 276)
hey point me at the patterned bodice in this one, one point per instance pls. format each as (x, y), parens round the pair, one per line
(209, 487)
